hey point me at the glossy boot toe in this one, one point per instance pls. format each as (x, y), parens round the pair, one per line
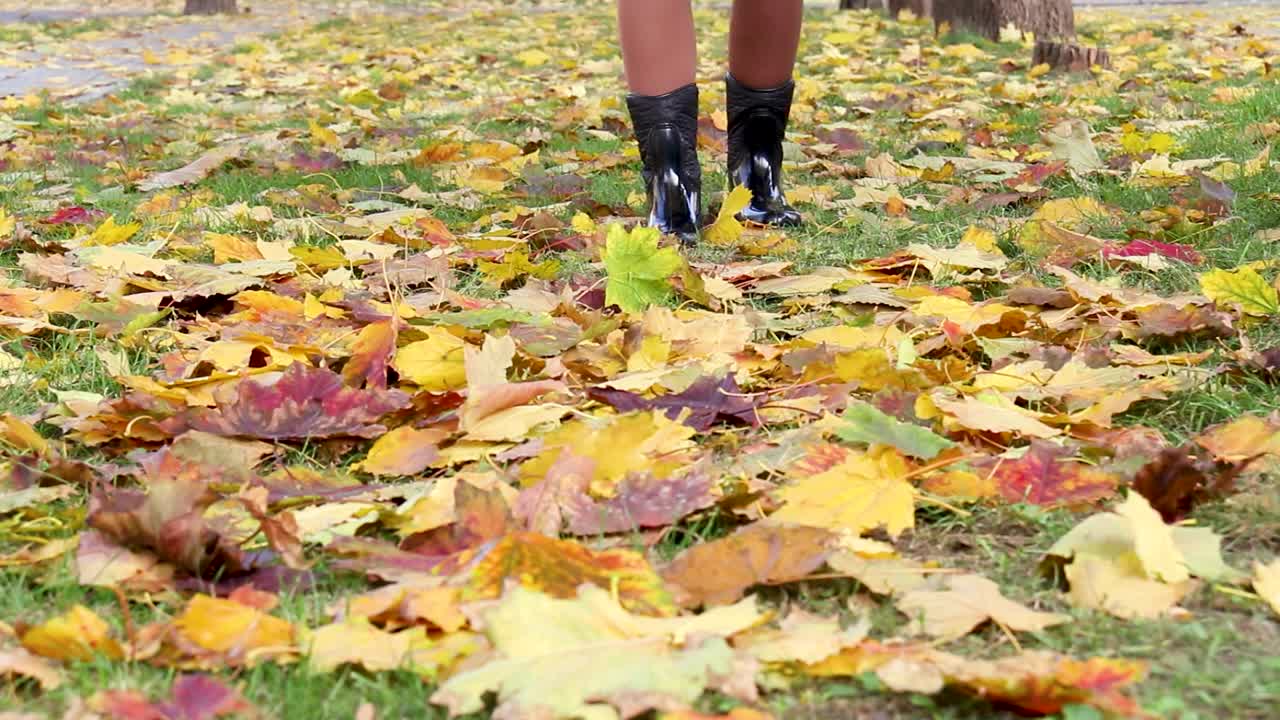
(757, 126)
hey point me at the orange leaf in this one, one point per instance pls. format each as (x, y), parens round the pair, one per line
(559, 567)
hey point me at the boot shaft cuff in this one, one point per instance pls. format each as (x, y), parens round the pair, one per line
(678, 107)
(742, 100)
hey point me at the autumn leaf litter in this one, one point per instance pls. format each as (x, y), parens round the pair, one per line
(370, 309)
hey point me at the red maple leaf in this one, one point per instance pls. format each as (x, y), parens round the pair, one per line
(302, 402)
(1045, 476)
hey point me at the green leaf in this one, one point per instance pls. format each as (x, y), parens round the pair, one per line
(483, 318)
(639, 272)
(869, 425)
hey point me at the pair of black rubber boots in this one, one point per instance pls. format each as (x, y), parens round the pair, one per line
(667, 130)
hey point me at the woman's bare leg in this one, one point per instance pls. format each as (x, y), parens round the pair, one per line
(659, 49)
(763, 39)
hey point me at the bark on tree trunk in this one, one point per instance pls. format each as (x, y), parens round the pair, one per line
(861, 4)
(1068, 56)
(1048, 19)
(209, 7)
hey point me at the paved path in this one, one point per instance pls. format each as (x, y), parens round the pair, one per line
(80, 50)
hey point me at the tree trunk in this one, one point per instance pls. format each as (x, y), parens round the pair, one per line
(1048, 19)
(1068, 56)
(209, 7)
(861, 4)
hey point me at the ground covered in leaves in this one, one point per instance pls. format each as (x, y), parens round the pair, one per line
(338, 381)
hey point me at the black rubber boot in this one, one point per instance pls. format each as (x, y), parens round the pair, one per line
(667, 130)
(757, 125)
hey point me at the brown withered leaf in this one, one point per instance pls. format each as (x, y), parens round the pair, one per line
(101, 562)
(1176, 481)
(19, 663)
(719, 572)
(168, 519)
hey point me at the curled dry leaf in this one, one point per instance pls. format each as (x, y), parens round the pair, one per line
(964, 603)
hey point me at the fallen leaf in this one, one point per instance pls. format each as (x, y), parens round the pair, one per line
(560, 567)
(704, 403)
(726, 228)
(238, 632)
(18, 663)
(78, 634)
(203, 166)
(866, 424)
(1243, 288)
(1266, 582)
(193, 697)
(403, 451)
(1044, 475)
(588, 651)
(355, 642)
(863, 493)
(719, 572)
(302, 402)
(639, 272)
(966, 602)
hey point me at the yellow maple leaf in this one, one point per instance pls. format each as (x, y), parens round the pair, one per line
(969, 601)
(532, 58)
(1258, 163)
(487, 179)
(403, 451)
(355, 641)
(1073, 213)
(77, 634)
(1242, 287)
(1102, 583)
(583, 224)
(967, 317)
(636, 442)
(109, 233)
(981, 238)
(323, 136)
(7, 223)
(583, 649)
(860, 494)
(1266, 582)
(727, 228)
(436, 363)
(231, 248)
(222, 625)
(1153, 541)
